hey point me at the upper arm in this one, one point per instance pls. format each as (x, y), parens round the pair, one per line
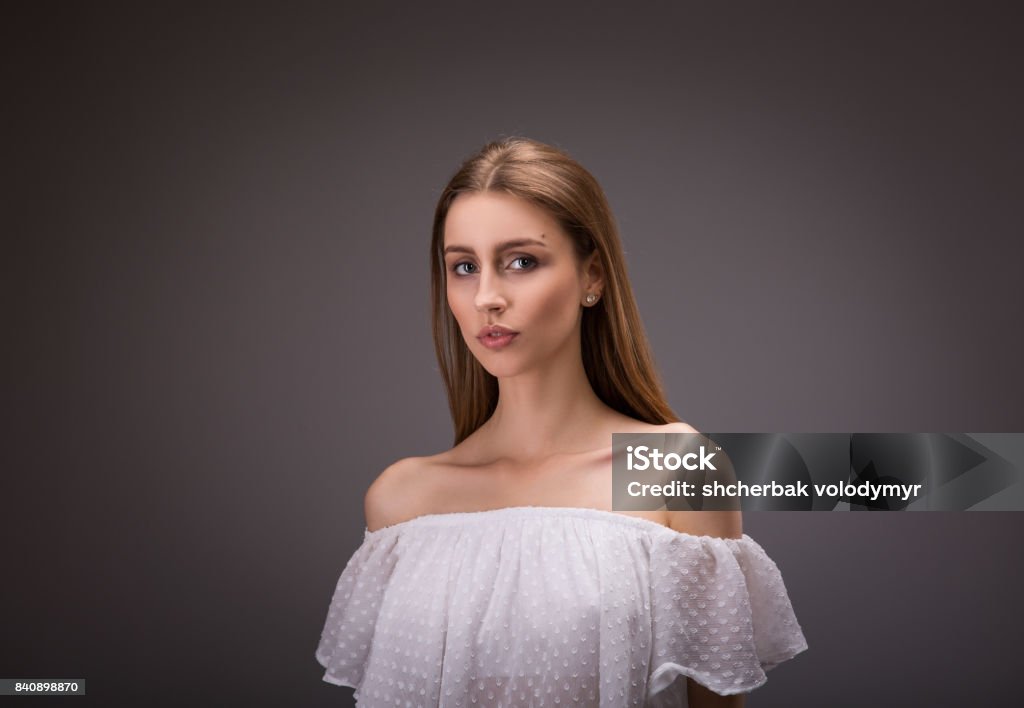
(725, 524)
(389, 498)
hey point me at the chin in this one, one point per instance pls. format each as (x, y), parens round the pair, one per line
(500, 370)
(498, 365)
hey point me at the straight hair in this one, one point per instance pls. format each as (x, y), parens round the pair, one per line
(616, 355)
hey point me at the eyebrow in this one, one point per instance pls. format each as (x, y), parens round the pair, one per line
(503, 246)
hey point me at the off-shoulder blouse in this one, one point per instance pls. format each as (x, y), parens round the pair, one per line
(553, 606)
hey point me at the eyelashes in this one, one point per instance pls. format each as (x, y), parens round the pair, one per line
(531, 264)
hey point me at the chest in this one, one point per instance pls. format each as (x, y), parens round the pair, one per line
(564, 482)
(580, 483)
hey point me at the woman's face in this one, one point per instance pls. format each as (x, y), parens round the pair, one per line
(508, 263)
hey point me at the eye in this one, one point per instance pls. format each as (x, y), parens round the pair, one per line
(455, 268)
(530, 262)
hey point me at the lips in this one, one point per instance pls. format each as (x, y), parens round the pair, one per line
(495, 330)
(496, 336)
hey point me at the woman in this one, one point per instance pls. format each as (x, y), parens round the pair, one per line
(496, 573)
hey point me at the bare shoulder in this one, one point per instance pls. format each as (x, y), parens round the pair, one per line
(677, 427)
(723, 524)
(625, 424)
(395, 494)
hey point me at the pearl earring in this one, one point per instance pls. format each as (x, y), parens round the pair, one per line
(590, 298)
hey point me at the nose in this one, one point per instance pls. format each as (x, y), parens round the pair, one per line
(489, 295)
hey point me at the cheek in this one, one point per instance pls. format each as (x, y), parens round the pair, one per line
(556, 304)
(460, 302)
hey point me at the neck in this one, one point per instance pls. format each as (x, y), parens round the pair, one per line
(545, 411)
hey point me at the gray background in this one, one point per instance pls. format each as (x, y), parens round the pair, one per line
(215, 283)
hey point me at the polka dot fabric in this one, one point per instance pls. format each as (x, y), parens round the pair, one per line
(552, 606)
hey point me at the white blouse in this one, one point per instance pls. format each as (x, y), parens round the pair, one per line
(553, 606)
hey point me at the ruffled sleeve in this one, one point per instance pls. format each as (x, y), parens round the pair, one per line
(720, 614)
(352, 618)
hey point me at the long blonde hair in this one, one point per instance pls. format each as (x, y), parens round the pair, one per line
(616, 355)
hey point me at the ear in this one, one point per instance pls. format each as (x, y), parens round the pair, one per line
(593, 274)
